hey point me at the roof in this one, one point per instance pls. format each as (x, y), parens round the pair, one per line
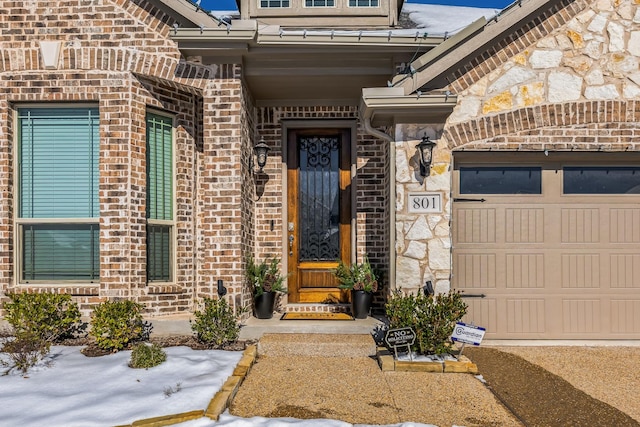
(291, 67)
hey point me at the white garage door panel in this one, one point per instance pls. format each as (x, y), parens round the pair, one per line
(551, 266)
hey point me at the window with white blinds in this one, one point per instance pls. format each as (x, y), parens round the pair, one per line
(58, 208)
(159, 198)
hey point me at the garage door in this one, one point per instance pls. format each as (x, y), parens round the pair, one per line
(548, 246)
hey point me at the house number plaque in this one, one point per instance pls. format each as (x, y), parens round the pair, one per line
(425, 202)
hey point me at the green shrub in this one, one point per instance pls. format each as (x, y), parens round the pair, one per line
(45, 317)
(432, 317)
(25, 351)
(115, 324)
(147, 356)
(216, 325)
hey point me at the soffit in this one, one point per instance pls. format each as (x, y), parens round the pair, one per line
(297, 68)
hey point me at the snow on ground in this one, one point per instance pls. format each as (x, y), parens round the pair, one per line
(227, 420)
(68, 389)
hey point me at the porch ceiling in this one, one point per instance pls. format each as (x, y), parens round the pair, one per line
(299, 69)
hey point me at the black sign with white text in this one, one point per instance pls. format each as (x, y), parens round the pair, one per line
(400, 337)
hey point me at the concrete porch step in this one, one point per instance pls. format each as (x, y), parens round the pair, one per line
(253, 328)
(325, 345)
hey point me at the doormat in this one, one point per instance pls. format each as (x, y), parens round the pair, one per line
(316, 316)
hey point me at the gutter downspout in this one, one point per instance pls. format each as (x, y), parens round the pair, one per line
(369, 129)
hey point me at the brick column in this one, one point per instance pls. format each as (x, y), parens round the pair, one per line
(219, 219)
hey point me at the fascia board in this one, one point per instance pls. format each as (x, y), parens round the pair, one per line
(513, 16)
(274, 35)
(243, 31)
(388, 106)
(188, 11)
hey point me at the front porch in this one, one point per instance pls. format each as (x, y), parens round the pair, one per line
(253, 328)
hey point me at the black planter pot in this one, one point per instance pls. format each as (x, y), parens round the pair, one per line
(263, 305)
(361, 303)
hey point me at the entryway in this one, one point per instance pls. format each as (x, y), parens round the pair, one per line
(319, 212)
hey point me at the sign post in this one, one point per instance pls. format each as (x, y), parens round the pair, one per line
(467, 334)
(399, 338)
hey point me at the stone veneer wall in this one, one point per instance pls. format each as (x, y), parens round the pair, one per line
(372, 236)
(423, 242)
(569, 81)
(118, 56)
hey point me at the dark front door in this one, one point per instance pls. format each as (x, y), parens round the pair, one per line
(319, 212)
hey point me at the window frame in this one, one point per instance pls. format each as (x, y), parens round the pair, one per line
(20, 222)
(601, 166)
(370, 6)
(171, 224)
(260, 6)
(326, 6)
(538, 167)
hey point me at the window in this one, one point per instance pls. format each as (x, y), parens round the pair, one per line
(363, 3)
(58, 207)
(159, 198)
(274, 3)
(601, 180)
(500, 180)
(319, 3)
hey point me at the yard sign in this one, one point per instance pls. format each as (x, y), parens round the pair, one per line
(467, 334)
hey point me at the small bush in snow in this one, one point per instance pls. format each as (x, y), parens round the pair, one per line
(45, 317)
(25, 351)
(147, 356)
(216, 325)
(168, 391)
(115, 324)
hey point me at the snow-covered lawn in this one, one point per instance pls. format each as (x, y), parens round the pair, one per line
(69, 389)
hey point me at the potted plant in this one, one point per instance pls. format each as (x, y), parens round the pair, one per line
(362, 282)
(265, 281)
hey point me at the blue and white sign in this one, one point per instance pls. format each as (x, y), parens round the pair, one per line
(468, 334)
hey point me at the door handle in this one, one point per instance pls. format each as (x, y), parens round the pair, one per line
(291, 244)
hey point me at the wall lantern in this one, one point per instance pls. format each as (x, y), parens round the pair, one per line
(425, 149)
(261, 150)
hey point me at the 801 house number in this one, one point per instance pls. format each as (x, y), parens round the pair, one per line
(425, 202)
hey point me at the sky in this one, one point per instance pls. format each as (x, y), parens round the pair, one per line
(68, 389)
(493, 4)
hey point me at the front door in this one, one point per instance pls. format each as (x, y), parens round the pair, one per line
(319, 212)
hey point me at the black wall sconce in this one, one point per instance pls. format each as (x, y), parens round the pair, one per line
(261, 150)
(425, 149)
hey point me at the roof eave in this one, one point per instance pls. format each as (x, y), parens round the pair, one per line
(389, 106)
(247, 30)
(186, 12)
(510, 18)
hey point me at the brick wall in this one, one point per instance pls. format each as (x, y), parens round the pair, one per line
(117, 55)
(582, 125)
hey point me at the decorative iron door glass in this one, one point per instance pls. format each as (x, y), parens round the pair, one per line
(319, 204)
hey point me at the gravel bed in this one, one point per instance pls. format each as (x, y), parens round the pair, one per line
(355, 390)
(541, 398)
(609, 374)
